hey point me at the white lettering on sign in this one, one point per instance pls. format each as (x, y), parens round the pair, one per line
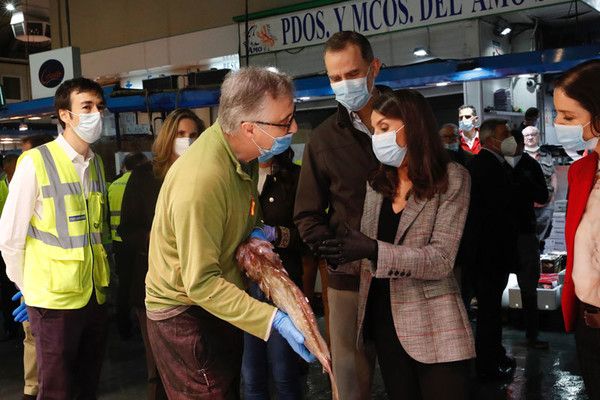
(369, 17)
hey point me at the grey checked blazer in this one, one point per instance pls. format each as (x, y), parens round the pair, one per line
(429, 316)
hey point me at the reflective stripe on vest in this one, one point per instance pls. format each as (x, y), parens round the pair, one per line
(116, 192)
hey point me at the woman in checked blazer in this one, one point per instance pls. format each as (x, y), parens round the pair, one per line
(414, 214)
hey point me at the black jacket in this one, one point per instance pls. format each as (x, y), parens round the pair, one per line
(137, 213)
(530, 183)
(277, 204)
(337, 161)
(490, 236)
(461, 156)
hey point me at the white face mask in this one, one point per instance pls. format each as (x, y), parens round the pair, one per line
(89, 128)
(353, 94)
(508, 147)
(512, 161)
(571, 137)
(387, 150)
(181, 144)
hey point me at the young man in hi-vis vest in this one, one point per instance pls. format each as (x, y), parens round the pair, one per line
(51, 234)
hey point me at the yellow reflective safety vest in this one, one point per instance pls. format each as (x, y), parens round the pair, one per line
(116, 190)
(3, 190)
(65, 260)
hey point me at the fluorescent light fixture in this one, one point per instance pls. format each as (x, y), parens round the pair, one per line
(478, 69)
(420, 51)
(525, 76)
(34, 118)
(17, 18)
(304, 98)
(442, 83)
(506, 31)
(10, 7)
(23, 127)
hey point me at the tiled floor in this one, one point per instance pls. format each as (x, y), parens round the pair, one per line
(547, 375)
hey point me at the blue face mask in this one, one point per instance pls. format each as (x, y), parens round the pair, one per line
(387, 150)
(353, 94)
(452, 146)
(280, 144)
(466, 125)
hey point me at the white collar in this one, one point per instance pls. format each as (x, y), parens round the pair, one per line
(71, 152)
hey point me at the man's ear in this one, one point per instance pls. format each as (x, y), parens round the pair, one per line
(376, 66)
(247, 129)
(64, 116)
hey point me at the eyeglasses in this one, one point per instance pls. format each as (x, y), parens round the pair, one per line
(286, 126)
(465, 117)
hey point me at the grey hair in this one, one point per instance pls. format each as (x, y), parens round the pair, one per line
(244, 91)
(488, 127)
(467, 106)
(531, 130)
(453, 126)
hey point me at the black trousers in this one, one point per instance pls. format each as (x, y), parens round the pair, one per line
(404, 377)
(528, 277)
(489, 286)
(588, 352)
(124, 267)
(7, 291)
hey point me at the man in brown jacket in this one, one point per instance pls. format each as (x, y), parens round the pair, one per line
(337, 161)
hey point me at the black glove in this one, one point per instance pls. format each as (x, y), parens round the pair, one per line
(351, 247)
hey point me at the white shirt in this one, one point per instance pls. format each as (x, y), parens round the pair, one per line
(586, 260)
(468, 141)
(357, 122)
(23, 201)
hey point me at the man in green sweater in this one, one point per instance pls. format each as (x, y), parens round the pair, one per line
(196, 304)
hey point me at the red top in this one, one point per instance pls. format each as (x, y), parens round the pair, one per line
(476, 143)
(581, 181)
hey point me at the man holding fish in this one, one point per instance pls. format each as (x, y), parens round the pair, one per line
(197, 308)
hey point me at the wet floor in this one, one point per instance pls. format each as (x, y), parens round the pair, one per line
(541, 374)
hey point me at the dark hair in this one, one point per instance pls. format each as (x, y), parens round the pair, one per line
(340, 40)
(37, 140)
(532, 113)
(518, 135)
(9, 159)
(132, 160)
(468, 106)
(582, 83)
(62, 97)
(427, 158)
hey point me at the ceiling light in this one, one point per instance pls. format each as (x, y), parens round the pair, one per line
(442, 83)
(502, 27)
(34, 118)
(10, 7)
(420, 51)
(23, 127)
(506, 31)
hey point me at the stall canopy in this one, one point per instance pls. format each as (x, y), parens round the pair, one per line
(307, 88)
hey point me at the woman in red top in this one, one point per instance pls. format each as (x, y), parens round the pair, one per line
(577, 124)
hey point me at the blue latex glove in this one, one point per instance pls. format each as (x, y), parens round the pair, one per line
(294, 337)
(20, 313)
(266, 232)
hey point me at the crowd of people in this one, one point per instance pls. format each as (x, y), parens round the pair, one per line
(412, 223)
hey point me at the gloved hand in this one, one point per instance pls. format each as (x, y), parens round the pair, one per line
(266, 232)
(294, 337)
(20, 313)
(351, 247)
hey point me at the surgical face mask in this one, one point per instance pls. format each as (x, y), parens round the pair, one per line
(353, 94)
(181, 144)
(452, 146)
(571, 137)
(387, 150)
(466, 125)
(89, 128)
(280, 144)
(513, 161)
(508, 147)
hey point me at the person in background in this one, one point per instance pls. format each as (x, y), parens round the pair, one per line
(543, 212)
(532, 115)
(452, 142)
(577, 127)
(336, 163)
(468, 130)
(491, 238)
(51, 240)
(277, 184)
(124, 257)
(530, 186)
(415, 211)
(196, 306)
(29, 142)
(179, 130)
(9, 164)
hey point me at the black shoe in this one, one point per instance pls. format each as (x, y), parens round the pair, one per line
(29, 397)
(495, 374)
(538, 344)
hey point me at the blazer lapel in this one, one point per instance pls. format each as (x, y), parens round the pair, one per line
(412, 209)
(373, 201)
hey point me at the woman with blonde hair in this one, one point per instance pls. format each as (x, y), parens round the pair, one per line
(178, 132)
